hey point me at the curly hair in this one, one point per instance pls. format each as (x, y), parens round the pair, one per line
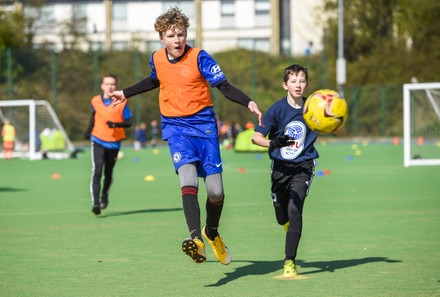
(172, 19)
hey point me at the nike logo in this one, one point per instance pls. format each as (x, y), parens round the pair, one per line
(218, 165)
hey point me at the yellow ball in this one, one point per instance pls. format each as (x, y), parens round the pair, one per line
(325, 111)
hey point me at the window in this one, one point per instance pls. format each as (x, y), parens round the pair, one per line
(190, 42)
(79, 17)
(153, 46)
(47, 13)
(227, 14)
(262, 45)
(96, 45)
(44, 18)
(187, 7)
(79, 12)
(119, 16)
(120, 45)
(45, 45)
(227, 8)
(262, 7)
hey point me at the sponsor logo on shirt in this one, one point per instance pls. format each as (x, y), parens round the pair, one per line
(216, 68)
(296, 130)
(217, 71)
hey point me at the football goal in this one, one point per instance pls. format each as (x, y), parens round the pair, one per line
(421, 124)
(39, 133)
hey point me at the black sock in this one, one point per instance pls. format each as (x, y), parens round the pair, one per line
(191, 210)
(213, 214)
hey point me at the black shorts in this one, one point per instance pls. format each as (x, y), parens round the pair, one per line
(291, 179)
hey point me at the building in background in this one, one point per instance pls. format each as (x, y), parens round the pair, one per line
(274, 26)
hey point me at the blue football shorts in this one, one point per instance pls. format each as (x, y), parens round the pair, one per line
(204, 152)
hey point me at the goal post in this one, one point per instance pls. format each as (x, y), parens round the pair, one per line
(421, 124)
(39, 133)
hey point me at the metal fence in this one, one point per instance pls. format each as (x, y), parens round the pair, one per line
(69, 79)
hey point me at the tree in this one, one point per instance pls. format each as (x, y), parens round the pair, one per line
(11, 29)
(400, 36)
(367, 25)
(419, 22)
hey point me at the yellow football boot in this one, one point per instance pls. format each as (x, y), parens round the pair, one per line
(194, 248)
(221, 251)
(289, 269)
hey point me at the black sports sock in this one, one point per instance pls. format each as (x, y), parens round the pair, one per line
(191, 210)
(213, 214)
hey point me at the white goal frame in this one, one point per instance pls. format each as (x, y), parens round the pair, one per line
(408, 139)
(32, 153)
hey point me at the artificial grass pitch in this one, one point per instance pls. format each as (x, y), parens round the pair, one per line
(370, 229)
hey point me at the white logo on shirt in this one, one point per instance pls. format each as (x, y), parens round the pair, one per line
(296, 130)
(177, 157)
(215, 68)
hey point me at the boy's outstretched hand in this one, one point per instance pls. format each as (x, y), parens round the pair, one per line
(253, 107)
(281, 141)
(118, 97)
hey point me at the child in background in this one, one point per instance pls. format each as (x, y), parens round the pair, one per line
(106, 131)
(8, 134)
(140, 137)
(154, 134)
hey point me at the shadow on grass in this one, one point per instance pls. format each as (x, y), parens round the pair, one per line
(254, 268)
(130, 212)
(9, 189)
(331, 266)
(266, 267)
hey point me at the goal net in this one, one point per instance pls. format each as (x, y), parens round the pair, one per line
(39, 133)
(421, 121)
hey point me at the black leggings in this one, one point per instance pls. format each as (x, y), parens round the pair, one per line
(102, 160)
(290, 186)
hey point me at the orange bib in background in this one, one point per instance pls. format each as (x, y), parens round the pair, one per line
(103, 114)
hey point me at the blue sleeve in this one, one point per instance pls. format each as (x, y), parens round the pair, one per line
(127, 113)
(153, 69)
(210, 70)
(267, 121)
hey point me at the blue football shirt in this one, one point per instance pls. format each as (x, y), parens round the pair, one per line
(281, 118)
(204, 123)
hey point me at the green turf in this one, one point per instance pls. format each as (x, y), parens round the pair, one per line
(371, 228)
